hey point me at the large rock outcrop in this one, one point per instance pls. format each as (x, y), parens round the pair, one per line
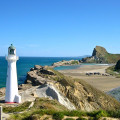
(117, 66)
(100, 55)
(81, 94)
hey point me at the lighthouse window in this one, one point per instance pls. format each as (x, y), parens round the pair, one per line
(12, 51)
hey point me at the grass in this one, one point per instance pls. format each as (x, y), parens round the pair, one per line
(44, 106)
(75, 62)
(19, 108)
(111, 70)
(73, 83)
(60, 115)
(69, 119)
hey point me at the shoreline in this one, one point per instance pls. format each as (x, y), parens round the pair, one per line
(103, 82)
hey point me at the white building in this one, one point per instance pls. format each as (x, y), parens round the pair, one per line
(12, 95)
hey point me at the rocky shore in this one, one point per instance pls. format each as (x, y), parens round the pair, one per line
(65, 63)
(78, 92)
(72, 93)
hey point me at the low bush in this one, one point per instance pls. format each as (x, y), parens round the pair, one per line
(80, 118)
(58, 116)
(115, 114)
(74, 113)
(69, 119)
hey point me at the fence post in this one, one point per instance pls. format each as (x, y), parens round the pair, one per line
(0, 112)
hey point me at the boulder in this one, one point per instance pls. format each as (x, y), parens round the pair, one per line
(37, 67)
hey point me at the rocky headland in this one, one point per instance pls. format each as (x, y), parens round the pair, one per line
(100, 55)
(65, 63)
(82, 95)
(46, 89)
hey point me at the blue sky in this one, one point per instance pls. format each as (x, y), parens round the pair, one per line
(59, 27)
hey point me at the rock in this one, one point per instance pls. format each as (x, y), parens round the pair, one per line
(44, 71)
(31, 69)
(63, 63)
(99, 51)
(100, 55)
(2, 91)
(37, 67)
(38, 76)
(78, 92)
(117, 66)
(49, 91)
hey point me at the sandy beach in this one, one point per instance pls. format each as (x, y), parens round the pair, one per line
(101, 82)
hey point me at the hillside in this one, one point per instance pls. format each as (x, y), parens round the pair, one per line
(49, 94)
(100, 55)
(82, 95)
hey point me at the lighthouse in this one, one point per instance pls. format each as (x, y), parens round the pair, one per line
(11, 95)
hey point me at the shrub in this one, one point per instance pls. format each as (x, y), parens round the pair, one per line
(98, 114)
(80, 118)
(115, 114)
(69, 119)
(101, 114)
(75, 113)
(58, 116)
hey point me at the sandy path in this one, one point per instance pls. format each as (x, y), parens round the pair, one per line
(103, 83)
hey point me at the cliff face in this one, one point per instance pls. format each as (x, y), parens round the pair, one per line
(99, 51)
(100, 55)
(82, 95)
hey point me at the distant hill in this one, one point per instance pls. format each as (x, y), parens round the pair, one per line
(100, 55)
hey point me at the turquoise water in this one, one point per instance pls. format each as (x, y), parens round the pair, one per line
(67, 67)
(25, 63)
(73, 66)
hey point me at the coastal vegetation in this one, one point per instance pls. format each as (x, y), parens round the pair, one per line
(84, 96)
(90, 103)
(114, 70)
(46, 108)
(64, 63)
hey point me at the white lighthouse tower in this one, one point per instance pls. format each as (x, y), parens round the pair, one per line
(12, 95)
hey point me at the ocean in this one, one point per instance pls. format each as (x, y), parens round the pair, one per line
(25, 63)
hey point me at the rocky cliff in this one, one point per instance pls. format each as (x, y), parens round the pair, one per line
(100, 55)
(82, 95)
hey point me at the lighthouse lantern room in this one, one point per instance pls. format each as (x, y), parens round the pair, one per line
(11, 95)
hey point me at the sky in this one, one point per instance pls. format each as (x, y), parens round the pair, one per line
(56, 28)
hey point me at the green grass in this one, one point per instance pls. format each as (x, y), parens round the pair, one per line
(19, 108)
(69, 119)
(59, 115)
(75, 62)
(111, 70)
